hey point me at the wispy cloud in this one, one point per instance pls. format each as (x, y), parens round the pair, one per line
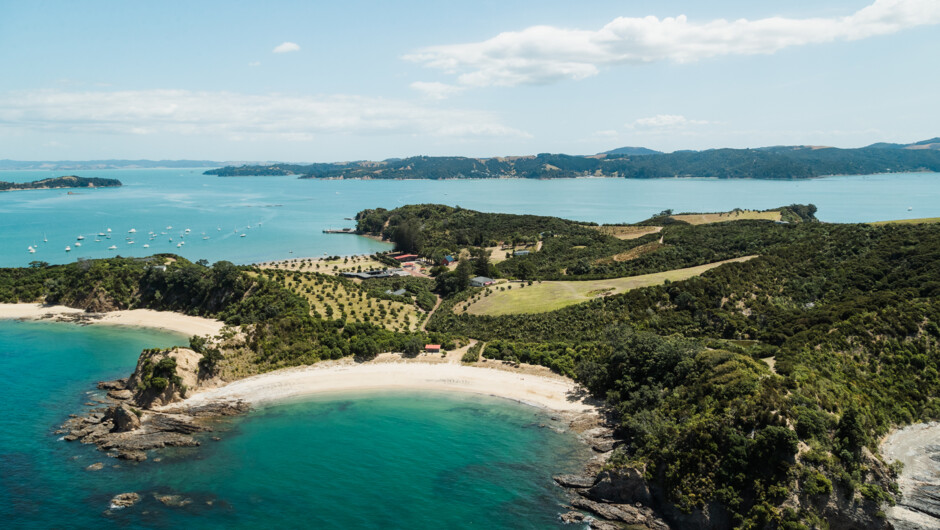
(254, 63)
(237, 116)
(286, 47)
(546, 54)
(664, 121)
(436, 90)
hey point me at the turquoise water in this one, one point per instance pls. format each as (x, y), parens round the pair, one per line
(292, 213)
(381, 460)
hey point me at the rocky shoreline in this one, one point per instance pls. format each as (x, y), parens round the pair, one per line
(124, 431)
(606, 499)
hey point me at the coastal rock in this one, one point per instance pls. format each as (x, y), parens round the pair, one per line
(95, 467)
(222, 408)
(120, 394)
(624, 485)
(574, 481)
(117, 384)
(571, 517)
(135, 456)
(625, 513)
(126, 442)
(124, 500)
(176, 423)
(123, 418)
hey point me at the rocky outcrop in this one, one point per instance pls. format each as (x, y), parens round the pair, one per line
(623, 485)
(117, 384)
(120, 394)
(122, 418)
(148, 393)
(634, 515)
(574, 481)
(124, 500)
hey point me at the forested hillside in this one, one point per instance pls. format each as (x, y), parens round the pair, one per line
(847, 316)
(791, 162)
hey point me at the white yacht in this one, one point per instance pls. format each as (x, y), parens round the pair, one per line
(112, 247)
(78, 245)
(80, 238)
(68, 249)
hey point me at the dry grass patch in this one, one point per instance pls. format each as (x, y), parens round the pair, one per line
(633, 253)
(542, 297)
(923, 220)
(723, 217)
(627, 232)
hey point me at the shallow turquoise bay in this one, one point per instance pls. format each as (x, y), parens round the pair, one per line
(377, 460)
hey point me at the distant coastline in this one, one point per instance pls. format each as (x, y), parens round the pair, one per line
(65, 182)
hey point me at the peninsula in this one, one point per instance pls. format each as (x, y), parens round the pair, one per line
(70, 181)
(749, 364)
(777, 162)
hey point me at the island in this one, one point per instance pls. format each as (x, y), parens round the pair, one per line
(776, 162)
(69, 181)
(727, 369)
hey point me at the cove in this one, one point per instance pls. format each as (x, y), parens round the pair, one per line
(365, 460)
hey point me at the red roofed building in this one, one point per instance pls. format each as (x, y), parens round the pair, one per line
(432, 348)
(407, 257)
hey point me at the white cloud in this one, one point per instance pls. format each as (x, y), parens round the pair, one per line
(286, 47)
(236, 116)
(435, 90)
(254, 63)
(664, 121)
(545, 54)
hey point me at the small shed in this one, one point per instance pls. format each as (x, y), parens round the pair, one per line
(447, 260)
(522, 253)
(432, 348)
(481, 281)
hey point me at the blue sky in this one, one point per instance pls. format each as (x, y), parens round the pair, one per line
(318, 81)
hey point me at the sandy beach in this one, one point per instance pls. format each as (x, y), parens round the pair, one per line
(544, 391)
(146, 318)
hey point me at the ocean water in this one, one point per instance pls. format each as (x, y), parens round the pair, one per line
(376, 460)
(287, 216)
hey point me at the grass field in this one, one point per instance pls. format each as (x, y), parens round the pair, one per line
(334, 299)
(927, 220)
(627, 232)
(549, 296)
(707, 218)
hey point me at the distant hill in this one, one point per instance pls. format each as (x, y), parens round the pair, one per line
(777, 162)
(75, 165)
(631, 151)
(933, 143)
(70, 181)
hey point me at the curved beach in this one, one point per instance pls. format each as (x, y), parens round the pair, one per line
(392, 373)
(146, 318)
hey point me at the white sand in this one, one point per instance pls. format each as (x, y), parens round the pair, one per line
(146, 318)
(549, 392)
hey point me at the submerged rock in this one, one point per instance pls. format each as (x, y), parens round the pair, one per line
(174, 501)
(95, 467)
